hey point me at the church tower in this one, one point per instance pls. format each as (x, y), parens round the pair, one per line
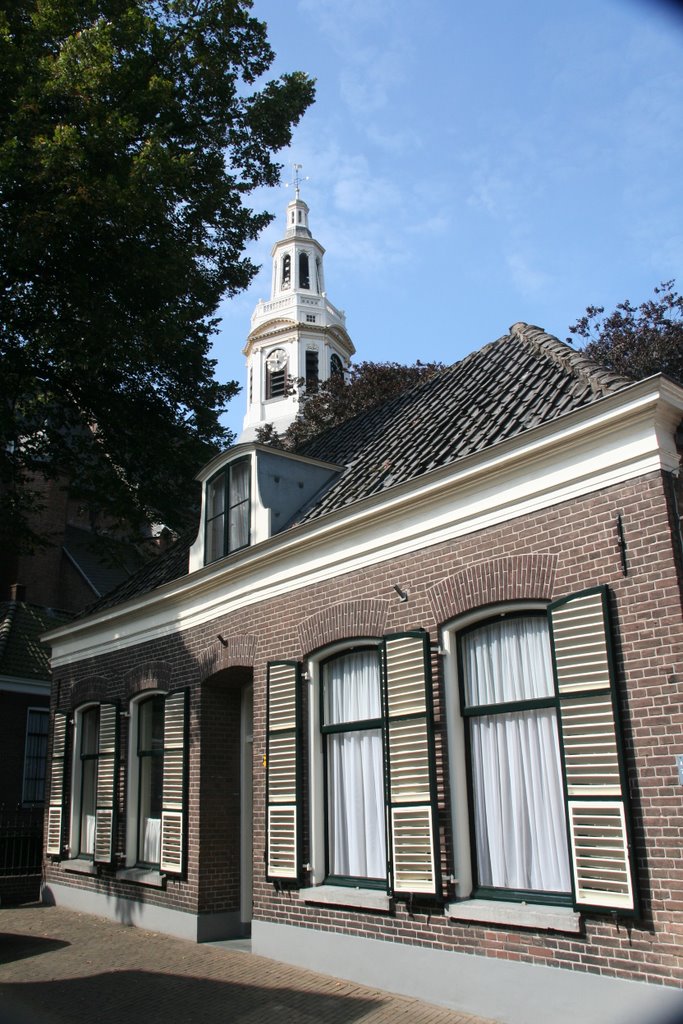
(297, 333)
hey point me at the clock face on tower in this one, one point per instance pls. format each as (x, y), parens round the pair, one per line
(277, 360)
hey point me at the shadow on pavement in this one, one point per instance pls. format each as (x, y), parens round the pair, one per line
(18, 947)
(150, 998)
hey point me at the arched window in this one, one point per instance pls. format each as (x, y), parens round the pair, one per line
(336, 365)
(304, 274)
(150, 758)
(286, 270)
(353, 753)
(88, 729)
(157, 782)
(311, 369)
(518, 810)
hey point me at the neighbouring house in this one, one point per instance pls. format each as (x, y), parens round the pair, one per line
(409, 706)
(38, 591)
(24, 713)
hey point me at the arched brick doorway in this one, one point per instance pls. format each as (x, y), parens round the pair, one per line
(225, 801)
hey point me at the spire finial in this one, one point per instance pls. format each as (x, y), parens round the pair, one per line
(296, 179)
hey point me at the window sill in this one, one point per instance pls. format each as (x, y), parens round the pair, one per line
(79, 867)
(339, 895)
(520, 915)
(142, 876)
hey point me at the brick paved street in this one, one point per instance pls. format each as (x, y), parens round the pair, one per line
(60, 967)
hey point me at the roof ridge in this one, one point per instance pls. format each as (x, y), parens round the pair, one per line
(599, 379)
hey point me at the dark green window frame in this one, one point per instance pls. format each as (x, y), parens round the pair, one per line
(542, 897)
(228, 506)
(343, 727)
(156, 753)
(87, 759)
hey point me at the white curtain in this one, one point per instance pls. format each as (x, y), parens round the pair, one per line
(151, 840)
(88, 843)
(516, 774)
(355, 790)
(238, 525)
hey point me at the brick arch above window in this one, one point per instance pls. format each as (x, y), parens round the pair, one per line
(341, 622)
(153, 675)
(94, 689)
(238, 651)
(514, 578)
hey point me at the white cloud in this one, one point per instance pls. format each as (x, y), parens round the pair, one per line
(527, 279)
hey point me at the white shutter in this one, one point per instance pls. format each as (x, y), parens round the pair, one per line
(173, 809)
(107, 750)
(56, 799)
(283, 772)
(410, 765)
(595, 783)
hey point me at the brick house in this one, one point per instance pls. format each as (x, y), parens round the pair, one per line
(408, 707)
(39, 590)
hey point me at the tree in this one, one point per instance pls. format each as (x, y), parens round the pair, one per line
(344, 396)
(637, 341)
(131, 135)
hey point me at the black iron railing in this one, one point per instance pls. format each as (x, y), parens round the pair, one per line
(21, 842)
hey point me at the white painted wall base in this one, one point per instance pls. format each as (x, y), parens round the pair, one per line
(509, 992)
(195, 927)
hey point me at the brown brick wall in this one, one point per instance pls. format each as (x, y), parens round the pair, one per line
(564, 549)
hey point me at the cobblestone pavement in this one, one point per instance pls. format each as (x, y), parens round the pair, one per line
(61, 967)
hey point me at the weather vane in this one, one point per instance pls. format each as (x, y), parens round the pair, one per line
(296, 179)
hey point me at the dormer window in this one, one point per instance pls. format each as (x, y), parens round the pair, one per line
(304, 273)
(228, 509)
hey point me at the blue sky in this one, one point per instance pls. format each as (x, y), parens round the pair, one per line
(472, 165)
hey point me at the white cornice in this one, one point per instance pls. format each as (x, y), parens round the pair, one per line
(615, 439)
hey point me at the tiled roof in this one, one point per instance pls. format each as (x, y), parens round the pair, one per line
(102, 567)
(523, 379)
(171, 565)
(22, 655)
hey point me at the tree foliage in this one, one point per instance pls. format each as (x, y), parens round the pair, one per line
(131, 134)
(637, 341)
(344, 396)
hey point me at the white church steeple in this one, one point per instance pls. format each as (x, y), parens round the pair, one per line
(297, 333)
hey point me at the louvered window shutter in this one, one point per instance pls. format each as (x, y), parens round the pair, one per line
(107, 762)
(596, 788)
(173, 810)
(55, 810)
(411, 784)
(283, 786)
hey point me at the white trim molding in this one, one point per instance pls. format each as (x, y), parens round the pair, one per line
(614, 440)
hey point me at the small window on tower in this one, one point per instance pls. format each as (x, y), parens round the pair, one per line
(286, 270)
(311, 370)
(300, 216)
(310, 318)
(336, 365)
(304, 275)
